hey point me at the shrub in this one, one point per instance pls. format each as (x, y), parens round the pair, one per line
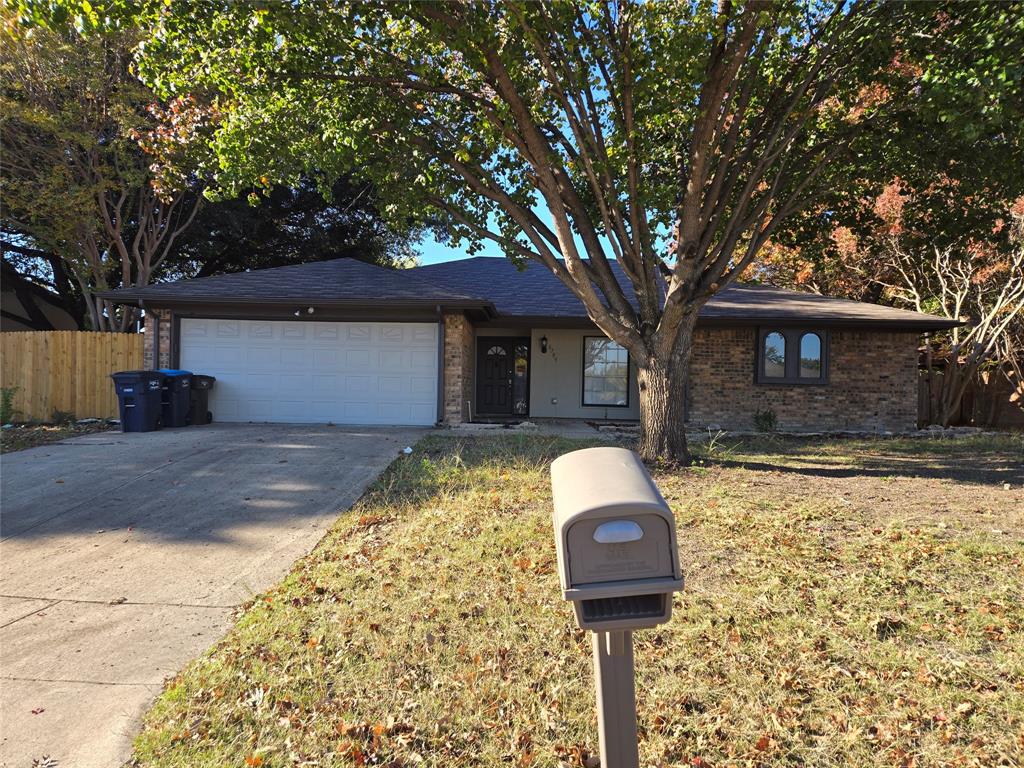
(7, 404)
(62, 418)
(765, 421)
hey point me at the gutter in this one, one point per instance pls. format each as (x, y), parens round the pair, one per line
(466, 303)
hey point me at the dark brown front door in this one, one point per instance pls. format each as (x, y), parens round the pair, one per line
(494, 376)
(502, 376)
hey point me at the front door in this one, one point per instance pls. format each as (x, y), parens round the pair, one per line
(502, 382)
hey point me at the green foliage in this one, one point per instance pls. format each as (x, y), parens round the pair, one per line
(7, 404)
(289, 226)
(766, 420)
(74, 180)
(390, 90)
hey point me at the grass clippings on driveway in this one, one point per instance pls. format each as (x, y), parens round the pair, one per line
(22, 436)
(847, 603)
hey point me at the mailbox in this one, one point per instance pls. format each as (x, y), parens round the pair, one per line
(616, 539)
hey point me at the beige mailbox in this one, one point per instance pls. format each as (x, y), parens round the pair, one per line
(619, 565)
(616, 540)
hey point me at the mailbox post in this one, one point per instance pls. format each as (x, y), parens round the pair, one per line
(619, 565)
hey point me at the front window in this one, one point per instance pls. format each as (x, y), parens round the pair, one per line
(605, 373)
(792, 356)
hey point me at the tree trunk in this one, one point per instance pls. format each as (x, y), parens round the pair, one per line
(662, 385)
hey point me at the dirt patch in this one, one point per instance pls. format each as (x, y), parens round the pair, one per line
(22, 436)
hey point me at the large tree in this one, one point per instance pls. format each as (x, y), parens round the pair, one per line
(76, 184)
(675, 138)
(97, 193)
(290, 225)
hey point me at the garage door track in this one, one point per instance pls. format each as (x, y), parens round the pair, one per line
(123, 556)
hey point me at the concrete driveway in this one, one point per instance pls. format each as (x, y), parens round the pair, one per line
(122, 557)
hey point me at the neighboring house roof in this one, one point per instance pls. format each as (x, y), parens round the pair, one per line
(501, 290)
(26, 306)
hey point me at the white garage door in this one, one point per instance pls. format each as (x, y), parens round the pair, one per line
(309, 372)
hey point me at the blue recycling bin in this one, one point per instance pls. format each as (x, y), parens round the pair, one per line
(139, 398)
(177, 393)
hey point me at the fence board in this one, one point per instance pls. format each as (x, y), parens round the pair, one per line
(66, 370)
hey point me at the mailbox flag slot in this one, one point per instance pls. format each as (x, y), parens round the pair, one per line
(618, 532)
(629, 607)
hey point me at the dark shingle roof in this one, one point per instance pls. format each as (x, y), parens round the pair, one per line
(338, 281)
(495, 284)
(536, 292)
(532, 291)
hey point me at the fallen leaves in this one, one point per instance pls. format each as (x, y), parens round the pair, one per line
(424, 629)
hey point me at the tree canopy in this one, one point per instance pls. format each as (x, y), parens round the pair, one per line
(99, 191)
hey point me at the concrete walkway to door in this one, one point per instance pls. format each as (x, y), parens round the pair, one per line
(123, 556)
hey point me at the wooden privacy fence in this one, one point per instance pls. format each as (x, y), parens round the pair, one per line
(66, 371)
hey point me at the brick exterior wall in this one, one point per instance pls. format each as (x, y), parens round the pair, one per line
(872, 384)
(165, 340)
(458, 367)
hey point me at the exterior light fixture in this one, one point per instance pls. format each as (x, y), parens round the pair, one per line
(310, 311)
(543, 345)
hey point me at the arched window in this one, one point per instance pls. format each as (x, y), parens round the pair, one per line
(496, 351)
(810, 356)
(774, 356)
(792, 356)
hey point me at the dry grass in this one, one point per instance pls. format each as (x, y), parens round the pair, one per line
(820, 626)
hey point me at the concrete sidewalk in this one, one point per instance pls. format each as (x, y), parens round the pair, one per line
(124, 555)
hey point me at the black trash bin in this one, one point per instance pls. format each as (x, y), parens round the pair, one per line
(139, 396)
(199, 410)
(177, 391)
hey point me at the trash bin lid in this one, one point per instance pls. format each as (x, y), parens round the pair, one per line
(136, 374)
(173, 372)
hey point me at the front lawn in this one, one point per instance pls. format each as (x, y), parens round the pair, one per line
(847, 603)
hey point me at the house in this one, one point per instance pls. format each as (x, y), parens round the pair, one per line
(348, 342)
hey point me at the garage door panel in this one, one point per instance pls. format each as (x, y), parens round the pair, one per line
(423, 360)
(390, 359)
(261, 330)
(314, 372)
(326, 359)
(358, 385)
(421, 413)
(422, 385)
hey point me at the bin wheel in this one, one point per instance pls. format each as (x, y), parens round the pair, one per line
(209, 417)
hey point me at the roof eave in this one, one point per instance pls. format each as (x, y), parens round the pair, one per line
(913, 324)
(170, 301)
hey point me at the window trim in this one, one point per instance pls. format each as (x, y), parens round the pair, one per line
(793, 336)
(583, 375)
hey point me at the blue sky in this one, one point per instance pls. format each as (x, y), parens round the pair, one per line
(433, 252)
